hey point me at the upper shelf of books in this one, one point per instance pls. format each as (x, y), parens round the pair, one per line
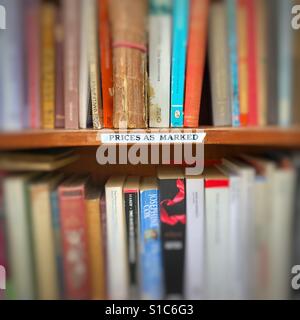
(264, 136)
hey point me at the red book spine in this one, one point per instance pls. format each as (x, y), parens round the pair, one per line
(33, 45)
(252, 64)
(195, 61)
(74, 242)
(59, 74)
(71, 16)
(106, 64)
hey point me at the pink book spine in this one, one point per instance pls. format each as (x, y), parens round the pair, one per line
(71, 17)
(32, 23)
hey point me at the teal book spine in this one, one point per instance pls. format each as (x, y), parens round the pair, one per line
(179, 48)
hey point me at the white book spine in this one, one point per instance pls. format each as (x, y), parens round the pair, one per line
(159, 69)
(117, 264)
(19, 246)
(194, 255)
(217, 218)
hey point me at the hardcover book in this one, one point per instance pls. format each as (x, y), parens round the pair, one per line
(151, 269)
(179, 48)
(173, 224)
(159, 63)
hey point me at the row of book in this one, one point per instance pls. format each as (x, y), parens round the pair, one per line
(231, 233)
(137, 63)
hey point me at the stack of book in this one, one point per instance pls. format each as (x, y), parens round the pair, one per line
(107, 64)
(225, 234)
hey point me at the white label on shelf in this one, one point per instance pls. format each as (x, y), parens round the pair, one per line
(150, 138)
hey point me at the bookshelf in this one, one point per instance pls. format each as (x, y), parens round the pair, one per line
(267, 136)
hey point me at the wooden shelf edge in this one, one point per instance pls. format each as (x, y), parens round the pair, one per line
(269, 136)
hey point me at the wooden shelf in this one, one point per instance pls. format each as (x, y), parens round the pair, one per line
(270, 136)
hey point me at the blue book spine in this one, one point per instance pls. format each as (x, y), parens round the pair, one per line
(57, 239)
(233, 62)
(151, 271)
(12, 72)
(179, 46)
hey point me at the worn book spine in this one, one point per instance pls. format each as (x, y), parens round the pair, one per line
(59, 72)
(106, 63)
(218, 62)
(71, 14)
(48, 64)
(94, 69)
(74, 242)
(33, 45)
(233, 62)
(243, 60)
(129, 40)
(179, 48)
(159, 63)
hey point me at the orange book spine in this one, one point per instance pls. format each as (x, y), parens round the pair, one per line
(243, 57)
(195, 61)
(106, 64)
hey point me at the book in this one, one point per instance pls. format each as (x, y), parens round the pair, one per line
(33, 51)
(160, 18)
(296, 74)
(128, 30)
(196, 52)
(218, 62)
(172, 197)
(151, 270)
(106, 63)
(95, 243)
(48, 18)
(19, 237)
(74, 237)
(84, 80)
(94, 70)
(179, 49)
(14, 112)
(243, 59)
(194, 276)
(117, 260)
(59, 70)
(71, 13)
(132, 213)
(43, 236)
(216, 233)
(233, 61)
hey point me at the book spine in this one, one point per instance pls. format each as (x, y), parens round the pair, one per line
(218, 62)
(48, 65)
(106, 64)
(233, 62)
(195, 61)
(252, 71)
(131, 199)
(216, 226)
(194, 256)
(71, 9)
(173, 223)
(243, 60)
(13, 106)
(94, 69)
(151, 255)
(285, 64)
(32, 22)
(95, 247)
(159, 63)
(56, 225)
(3, 257)
(74, 242)
(179, 46)
(59, 72)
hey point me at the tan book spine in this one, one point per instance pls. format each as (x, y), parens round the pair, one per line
(48, 65)
(128, 24)
(95, 249)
